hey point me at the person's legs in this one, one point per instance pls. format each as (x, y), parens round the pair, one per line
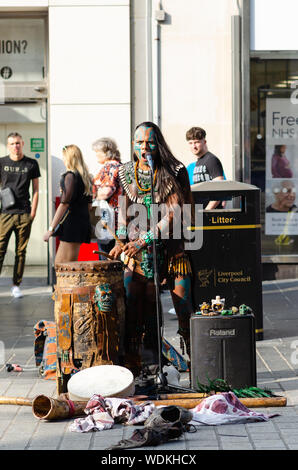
(67, 252)
(6, 228)
(135, 301)
(22, 231)
(181, 296)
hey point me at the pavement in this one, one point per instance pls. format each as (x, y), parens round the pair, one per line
(277, 367)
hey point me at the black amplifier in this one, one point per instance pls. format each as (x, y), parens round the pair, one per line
(223, 347)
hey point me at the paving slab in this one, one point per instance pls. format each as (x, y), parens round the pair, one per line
(277, 367)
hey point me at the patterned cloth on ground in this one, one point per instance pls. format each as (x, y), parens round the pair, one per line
(45, 348)
(225, 408)
(102, 413)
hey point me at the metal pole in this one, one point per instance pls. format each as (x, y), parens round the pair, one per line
(245, 85)
(157, 291)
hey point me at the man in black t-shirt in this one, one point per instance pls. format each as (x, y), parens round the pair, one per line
(207, 166)
(16, 172)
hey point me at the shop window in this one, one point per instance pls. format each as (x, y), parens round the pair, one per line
(274, 151)
(22, 46)
(23, 109)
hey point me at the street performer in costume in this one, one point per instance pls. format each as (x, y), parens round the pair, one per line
(171, 191)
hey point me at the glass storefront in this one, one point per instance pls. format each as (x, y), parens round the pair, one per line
(23, 109)
(22, 49)
(274, 151)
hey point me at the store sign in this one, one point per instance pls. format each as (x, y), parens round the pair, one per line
(37, 145)
(21, 49)
(281, 204)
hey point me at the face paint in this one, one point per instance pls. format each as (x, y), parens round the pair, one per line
(145, 141)
(104, 297)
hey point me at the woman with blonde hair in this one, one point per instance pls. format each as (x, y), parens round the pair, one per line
(71, 222)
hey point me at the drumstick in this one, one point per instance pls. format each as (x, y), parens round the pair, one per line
(103, 254)
(117, 239)
(111, 257)
(111, 232)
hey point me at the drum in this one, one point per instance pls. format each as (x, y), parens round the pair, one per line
(107, 381)
(90, 314)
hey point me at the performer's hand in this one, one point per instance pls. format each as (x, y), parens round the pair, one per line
(116, 251)
(132, 248)
(47, 235)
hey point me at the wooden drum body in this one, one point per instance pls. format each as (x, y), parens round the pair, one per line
(90, 314)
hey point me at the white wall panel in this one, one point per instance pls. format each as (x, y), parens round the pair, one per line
(45, 3)
(24, 3)
(89, 69)
(87, 2)
(196, 75)
(82, 125)
(274, 25)
(89, 54)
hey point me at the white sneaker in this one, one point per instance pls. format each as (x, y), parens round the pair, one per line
(16, 292)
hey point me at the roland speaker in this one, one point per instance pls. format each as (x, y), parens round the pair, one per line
(223, 347)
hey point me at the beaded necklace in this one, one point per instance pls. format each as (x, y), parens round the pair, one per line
(145, 190)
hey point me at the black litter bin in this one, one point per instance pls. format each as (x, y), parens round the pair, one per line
(228, 263)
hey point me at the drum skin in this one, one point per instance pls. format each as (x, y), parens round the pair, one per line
(105, 380)
(89, 314)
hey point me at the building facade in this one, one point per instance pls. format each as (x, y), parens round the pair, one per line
(72, 71)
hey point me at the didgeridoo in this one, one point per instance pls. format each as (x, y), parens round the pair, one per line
(15, 401)
(190, 403)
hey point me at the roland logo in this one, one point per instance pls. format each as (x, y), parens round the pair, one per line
(222, 332)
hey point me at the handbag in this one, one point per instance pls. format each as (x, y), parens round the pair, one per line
(7, 198)
(58, 229)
